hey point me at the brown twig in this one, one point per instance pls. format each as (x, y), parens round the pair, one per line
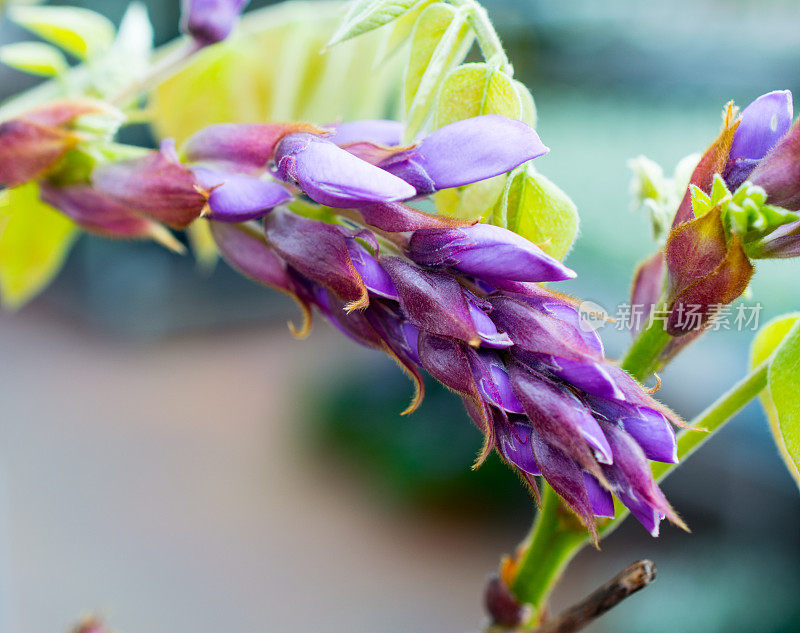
(630, 580)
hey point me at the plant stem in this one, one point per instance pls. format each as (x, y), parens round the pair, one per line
(488, 40)
(643, 357)
(547, 550)
(551, 545)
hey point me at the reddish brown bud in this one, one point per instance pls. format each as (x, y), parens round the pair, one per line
(29, 149)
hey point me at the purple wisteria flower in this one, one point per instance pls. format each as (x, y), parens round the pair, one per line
(531, 373)
(210, 21)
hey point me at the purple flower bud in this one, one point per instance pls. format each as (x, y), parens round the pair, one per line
(537, 326)
(762, 124)
(561, 418)
(246, 250)
(238, 198)
(240, 147)
(332, 176)
(156, 185)
(210, 21)
(432, 301)
(319, 251)
(493, 382)
(488, 252)
(632, 481)
(465, 152)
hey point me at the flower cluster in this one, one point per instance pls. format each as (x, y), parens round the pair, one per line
(458, 299)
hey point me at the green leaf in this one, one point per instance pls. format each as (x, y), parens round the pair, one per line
(781, 399)
(36, 58)
(367, 15)
(34, 242)
(441, 39)
(537, 209)
(82, 32)
(474, 89)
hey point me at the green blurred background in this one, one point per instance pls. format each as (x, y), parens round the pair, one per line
(171, 458)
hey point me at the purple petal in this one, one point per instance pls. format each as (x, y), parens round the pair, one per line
(247, 251)
(432, 301)
(446, 360)
(486, 251)
(779, 172)
(467, 151)
(648, 283)
(601, 500)
(632, 481)
(487, 330)
(783, 242)
(590, 376)
(560, 417)
(319, 251)
(762, 124)
(538, 330)
(210, 21)
(238, 198)
(374, 276)
(493, 382)
(655, 435)
(378, 131)
(565, 476)
(514, 443)
(334, 177)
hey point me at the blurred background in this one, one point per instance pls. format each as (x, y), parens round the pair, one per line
(172, 459)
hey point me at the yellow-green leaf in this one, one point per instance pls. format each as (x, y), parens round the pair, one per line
(537, 209)
(471, 90)
(82, 32)
(36, 58)
(441, 39)
(474, 89)
(781, 398)
(367, 15)
(34, 241)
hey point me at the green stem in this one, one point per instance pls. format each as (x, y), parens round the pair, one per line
(488, 40)
(643, 357)
(548, 549)
(551, 545)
